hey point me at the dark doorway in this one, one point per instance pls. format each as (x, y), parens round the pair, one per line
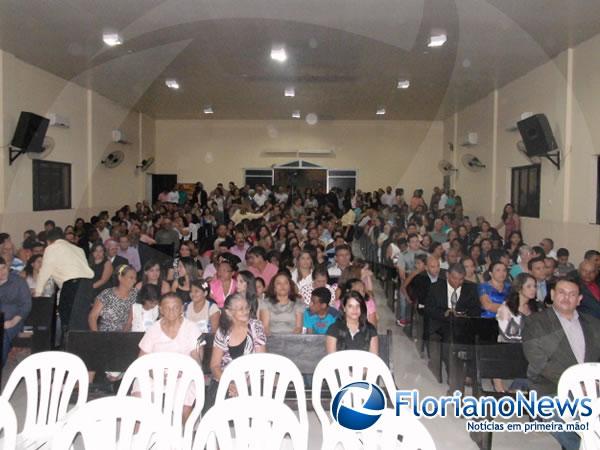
(300, 179)
(161, 183)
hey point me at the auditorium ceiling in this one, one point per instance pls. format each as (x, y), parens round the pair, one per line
(344, 57)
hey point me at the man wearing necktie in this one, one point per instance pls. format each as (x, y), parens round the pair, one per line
(452, 297)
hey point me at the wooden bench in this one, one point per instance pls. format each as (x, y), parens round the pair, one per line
(115, 351)
(502, 361)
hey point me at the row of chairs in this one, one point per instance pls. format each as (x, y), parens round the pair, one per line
(164, 379)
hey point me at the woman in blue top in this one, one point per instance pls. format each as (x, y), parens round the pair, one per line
(493, 293)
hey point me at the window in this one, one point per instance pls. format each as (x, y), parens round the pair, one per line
(252, 177)
(525, 190)
(343, 179)
(51, 185)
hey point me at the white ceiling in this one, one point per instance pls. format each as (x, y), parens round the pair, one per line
(345, 56)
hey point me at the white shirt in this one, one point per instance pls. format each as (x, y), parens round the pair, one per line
(450, 291)
(443, 201)
(281, 197)
(260, 199)
(62, 261)
(388, 199)
(173, 197)
(104, 234)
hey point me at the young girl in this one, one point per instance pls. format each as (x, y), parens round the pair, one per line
(145, 310)
(202, 310)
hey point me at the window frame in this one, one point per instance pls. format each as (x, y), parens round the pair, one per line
(517, 173)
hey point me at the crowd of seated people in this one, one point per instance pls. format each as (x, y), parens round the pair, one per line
(288, 261)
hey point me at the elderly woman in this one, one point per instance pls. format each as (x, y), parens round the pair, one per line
(282, 310)
(173, 333)
(237, 335)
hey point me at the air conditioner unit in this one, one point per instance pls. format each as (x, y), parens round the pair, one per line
(58, 121)
(119, 137)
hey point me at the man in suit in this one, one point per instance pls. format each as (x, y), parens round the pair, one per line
(449, 298)
(558, 338)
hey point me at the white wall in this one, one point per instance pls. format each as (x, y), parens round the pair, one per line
(398, 153)
(565, 89)
(92, 118)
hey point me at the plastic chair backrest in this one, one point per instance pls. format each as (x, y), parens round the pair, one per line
(163, 379)
(8, 425)
(258, 423)
(590, 439)
(117, 423)
(581, 380)
(264, 375)
(50, 379)
(341, 368)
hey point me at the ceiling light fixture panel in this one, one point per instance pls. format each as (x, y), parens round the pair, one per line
(278, 53)
(296, 114)
(380, 111)
(172, 83)
(403, 84)
(290, 92)
(112, 39)
(437, 40)
(208, 110)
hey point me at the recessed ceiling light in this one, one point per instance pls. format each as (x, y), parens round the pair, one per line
(403, 84)
(296, 114)
(208, 110)
(380, 111)
(437, 40)
(290, 92)
(111, 39)
(278, 53)
(172, 83)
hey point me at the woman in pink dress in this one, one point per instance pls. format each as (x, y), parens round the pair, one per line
(510, 221)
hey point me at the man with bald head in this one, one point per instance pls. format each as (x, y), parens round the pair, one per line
(590, 289)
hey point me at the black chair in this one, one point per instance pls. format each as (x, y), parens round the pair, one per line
(40, 326)
(503, 361)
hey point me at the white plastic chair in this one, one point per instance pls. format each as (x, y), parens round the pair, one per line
(164, 379)
(264, 375)
(119, 423)
(390, 432)
(8, 425)
(50, 379)
(259, 423)
(341, 368)
(590, 440)
(581, 380)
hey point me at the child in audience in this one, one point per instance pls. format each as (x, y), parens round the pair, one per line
(564, 266)
(145, 311)
(319, 315)
(202, 310)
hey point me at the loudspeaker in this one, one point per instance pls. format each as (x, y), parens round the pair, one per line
(537, 135)
(30, 132)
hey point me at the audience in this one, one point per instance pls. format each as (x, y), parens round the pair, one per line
(493, 293)
(319, 315)
(144, 311)
(202, 310)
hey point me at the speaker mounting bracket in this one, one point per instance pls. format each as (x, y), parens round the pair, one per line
(554, 158)
(14, 153)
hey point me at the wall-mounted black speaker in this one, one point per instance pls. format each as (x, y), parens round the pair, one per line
(30, 133)
(537, 135)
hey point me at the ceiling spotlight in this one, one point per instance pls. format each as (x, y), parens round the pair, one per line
(278, 53)
(208, 110)
(403, 84)
(290, 92)
(112, 39)
(296, 114)
(172, 83)
(437, 40)
(380, 111)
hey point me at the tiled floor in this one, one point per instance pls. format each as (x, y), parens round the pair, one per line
(410, 371)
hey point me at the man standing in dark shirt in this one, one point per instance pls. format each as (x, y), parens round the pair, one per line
(15, 303)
